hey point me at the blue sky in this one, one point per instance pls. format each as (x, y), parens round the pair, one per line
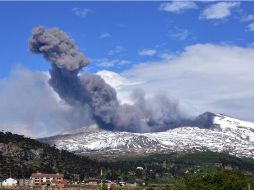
(116, 30)
(200, 54)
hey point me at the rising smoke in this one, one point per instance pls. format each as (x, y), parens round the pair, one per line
(91, 93)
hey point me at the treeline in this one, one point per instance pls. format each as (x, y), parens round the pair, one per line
(218, 180)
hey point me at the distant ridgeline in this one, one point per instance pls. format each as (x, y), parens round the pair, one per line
(20, 156)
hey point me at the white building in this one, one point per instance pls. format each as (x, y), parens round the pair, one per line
(139, 168)
(10, 182)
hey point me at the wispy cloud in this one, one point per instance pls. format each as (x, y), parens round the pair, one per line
(111, 62)
(177, 6)
(219, 10)
(249, 17)
(105, 35)
(147, 52)
(82, 12)
(167, 55)
(251, 27)
(116, 50)
(179, 33)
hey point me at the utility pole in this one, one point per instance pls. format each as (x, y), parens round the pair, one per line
(248, 186)
(101, 179)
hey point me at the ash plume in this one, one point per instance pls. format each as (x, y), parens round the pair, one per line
(91, 92)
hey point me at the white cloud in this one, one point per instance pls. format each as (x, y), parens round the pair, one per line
(120, 83)
(117, 49)
(219, 10)
(115, 80)
(247, 18)
(166, 55)
(105, 35)
(251, 26)
(204, 77)
(177, 6)
(29, 106)
(179, 33)
(82, 12)
(111, 62)
(147, 52)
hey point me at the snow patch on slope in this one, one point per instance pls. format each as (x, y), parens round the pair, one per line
(225, 134)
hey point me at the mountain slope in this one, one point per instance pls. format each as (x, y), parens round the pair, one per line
(20, 156)
(213, 132)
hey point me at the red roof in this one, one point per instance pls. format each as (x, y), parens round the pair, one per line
(47, 175)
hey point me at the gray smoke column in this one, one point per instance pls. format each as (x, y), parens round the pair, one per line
(65, 59)
(57, 48)
(91, 92)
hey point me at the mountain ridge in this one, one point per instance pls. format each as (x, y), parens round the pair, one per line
(207, 132)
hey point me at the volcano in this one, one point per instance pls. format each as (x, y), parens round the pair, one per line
(207, 132)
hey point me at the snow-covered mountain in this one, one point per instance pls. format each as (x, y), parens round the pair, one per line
(214, 132)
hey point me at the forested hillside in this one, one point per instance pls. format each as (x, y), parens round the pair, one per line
(20, 156)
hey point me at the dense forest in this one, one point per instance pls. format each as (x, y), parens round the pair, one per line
(20, 156)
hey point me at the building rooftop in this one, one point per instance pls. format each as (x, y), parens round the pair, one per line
(47, 175)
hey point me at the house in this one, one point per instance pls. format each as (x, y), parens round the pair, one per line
(44, 179)
(59, 184)
(10, 182)
(94, 182)
(25, 182)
